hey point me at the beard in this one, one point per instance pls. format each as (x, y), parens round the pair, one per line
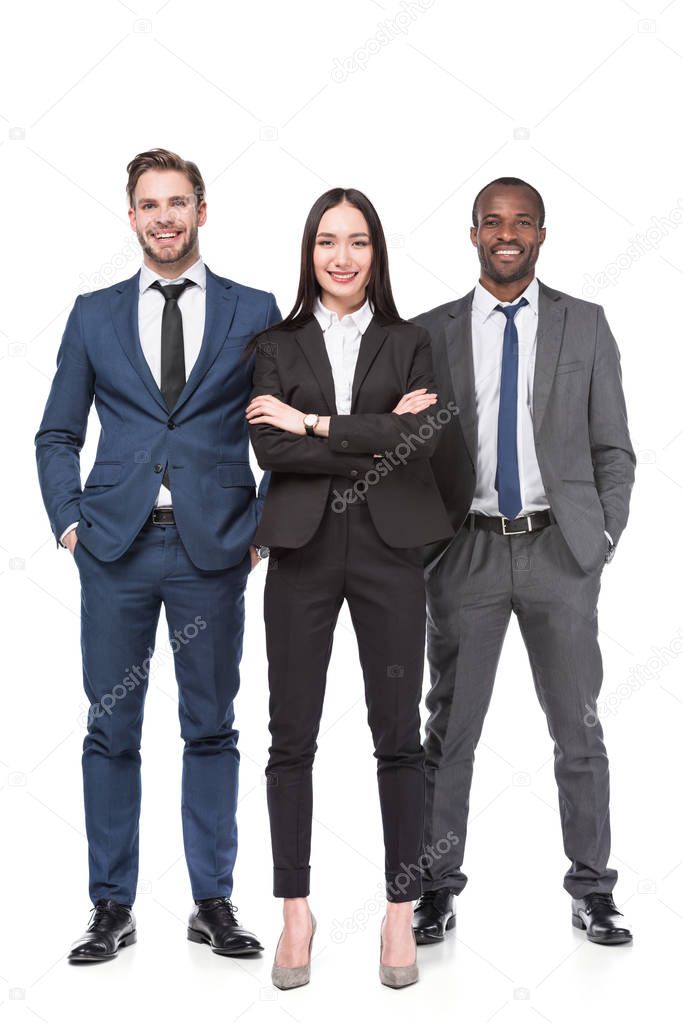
(170, 255)
(501, 275)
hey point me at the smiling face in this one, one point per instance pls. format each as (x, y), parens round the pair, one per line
(166, 219)
(342, 258)
(508, 237)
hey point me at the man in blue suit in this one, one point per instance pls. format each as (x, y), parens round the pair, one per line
(166, 516)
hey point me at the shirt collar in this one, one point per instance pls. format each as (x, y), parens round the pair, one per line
(327, 317)
(196, 273)
(484, 302)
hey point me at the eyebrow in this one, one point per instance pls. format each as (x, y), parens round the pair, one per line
(170, 198)
(522, 214)
(330, 234)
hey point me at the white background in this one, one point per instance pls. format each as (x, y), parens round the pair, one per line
(583, 100)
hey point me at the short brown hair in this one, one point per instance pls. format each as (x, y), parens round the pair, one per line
(163, 159)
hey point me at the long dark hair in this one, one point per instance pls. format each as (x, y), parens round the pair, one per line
(379, 285)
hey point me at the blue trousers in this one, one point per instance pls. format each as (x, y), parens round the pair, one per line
(120, 606)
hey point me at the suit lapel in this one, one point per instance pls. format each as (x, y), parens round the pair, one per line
(124, 311)
(551, 314)
(312, 343)
(221, 303)
(370, 344)
(458, 331)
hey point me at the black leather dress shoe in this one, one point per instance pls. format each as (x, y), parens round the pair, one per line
(213, 922)
(434, 914)
(599, 917)
(111, 927)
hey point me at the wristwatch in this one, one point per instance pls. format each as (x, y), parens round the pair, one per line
(263, 552)
(310, 423)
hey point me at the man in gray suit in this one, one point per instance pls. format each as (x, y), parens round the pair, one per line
(536, 473)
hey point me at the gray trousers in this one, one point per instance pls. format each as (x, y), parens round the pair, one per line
(471, 592)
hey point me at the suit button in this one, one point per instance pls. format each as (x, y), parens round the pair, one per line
(171, 424)
(158, 468)
(345, 444)
(354, 473)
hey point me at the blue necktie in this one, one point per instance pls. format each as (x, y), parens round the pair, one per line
(507, 470)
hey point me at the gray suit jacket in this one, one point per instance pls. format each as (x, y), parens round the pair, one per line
(580, 427)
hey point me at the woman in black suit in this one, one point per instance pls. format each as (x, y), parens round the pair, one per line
(340, 413)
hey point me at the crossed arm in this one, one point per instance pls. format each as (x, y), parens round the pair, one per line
(342, 445)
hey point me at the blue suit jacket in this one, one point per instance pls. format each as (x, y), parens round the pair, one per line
(203, 438)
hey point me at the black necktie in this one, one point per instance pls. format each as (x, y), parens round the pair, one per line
(172, 347)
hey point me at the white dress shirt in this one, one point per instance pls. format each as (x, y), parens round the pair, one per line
(342, 342)
(488, 328)
(192, 305)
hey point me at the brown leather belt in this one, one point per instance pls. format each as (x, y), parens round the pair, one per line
(511, 527)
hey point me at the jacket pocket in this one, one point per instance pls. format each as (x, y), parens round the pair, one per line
(569, 367)
(104, 474)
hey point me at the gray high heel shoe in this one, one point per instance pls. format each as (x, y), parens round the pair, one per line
(285, 977)
(397, 976)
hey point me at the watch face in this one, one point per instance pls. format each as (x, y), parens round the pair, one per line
(310, 419)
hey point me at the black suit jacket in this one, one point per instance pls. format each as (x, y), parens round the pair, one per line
(401, 492)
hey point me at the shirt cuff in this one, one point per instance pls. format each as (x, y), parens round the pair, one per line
(67, 530)
(608, 537)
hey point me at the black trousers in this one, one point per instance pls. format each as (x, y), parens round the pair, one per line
(304, 591)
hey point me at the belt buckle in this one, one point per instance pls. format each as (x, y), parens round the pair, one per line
(160, 512)
(516, 532)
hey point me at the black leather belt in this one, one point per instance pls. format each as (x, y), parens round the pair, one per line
(161, 517)
(511, 527)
